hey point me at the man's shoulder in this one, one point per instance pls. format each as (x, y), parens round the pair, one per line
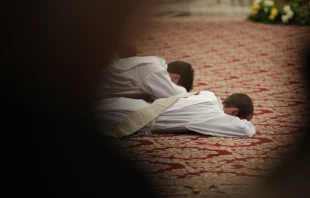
(139, 65)
(209, 96)
(206, 93)
(127, 63)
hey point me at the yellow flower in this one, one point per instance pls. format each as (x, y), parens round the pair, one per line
(273, 13)
(254, 12)
(271, 17)
(255, 7)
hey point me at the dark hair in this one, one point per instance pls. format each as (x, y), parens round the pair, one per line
(185, 71)
(241, 101)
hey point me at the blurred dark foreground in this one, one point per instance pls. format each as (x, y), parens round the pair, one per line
(51, 69)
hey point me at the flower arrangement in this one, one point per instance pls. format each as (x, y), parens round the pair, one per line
(294, 12)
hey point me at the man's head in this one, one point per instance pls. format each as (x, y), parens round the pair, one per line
(240, 105)
(181, 73)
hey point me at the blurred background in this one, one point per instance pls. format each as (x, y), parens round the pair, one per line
(202, 7)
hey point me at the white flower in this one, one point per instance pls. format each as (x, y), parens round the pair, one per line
(290, 14)
(284, 18)
(287, 8)
(268, 3)
(256, 2)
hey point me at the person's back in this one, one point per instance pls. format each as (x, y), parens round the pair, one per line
(138, 77)
(203, 113)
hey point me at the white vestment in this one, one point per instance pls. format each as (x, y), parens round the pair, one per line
(138, 76)
(202, 113)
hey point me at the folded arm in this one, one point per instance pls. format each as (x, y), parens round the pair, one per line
(159, 85)
(222, 126)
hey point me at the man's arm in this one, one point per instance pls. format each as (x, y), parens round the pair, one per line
(222, 126)
(159, 85)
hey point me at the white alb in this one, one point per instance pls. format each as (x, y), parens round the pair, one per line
(202, 113)
(138, 76)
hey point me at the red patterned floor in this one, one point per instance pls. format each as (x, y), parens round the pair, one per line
(229, 55)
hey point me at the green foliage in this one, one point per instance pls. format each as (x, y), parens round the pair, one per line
(299, 12)
(294, 3)
(303, 15)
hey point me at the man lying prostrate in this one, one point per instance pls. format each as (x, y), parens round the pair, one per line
(142, 77)
(202, 113)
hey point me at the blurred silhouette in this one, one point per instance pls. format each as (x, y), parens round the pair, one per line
(291, 177)
(57, 51)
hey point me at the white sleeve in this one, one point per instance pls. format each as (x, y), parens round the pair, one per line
(159, 85)
(113, 110)
(222, 126)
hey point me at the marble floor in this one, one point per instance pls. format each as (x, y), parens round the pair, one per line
(202, 7)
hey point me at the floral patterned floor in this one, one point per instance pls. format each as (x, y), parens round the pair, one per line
(229, 54)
